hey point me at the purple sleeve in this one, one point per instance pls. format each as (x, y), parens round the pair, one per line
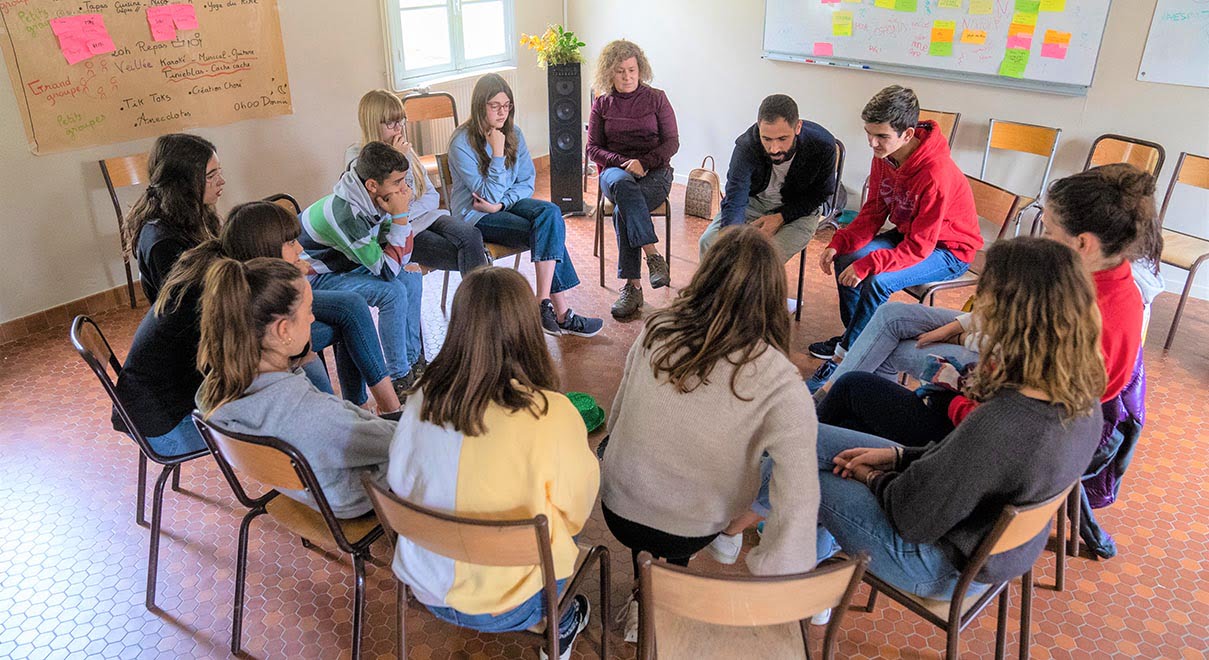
(597, 138)
(669, 136)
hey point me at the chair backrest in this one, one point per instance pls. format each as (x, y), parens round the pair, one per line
(945, 121)
(445, 177)
(123, 172)
(840, 154)
(1190, 170)
(286, 202)
(422, 111)
(1110, 148)
(1024, 138)
(483, 542)
(996, 209)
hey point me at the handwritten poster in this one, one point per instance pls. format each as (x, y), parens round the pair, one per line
(106, 71)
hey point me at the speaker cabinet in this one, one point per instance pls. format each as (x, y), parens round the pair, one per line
(566, 138)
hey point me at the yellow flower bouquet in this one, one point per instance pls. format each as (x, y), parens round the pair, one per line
(555, 46)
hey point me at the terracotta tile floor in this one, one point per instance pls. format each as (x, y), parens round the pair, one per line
(73, 561)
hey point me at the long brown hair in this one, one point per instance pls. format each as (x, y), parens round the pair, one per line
(733, 310)
(494, 352)
(254, 229)
(176, 193)
(381, 106)
(1116, 204)
(1040, 325)
(485, 89)
(239, 302)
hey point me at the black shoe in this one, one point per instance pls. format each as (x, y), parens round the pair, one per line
(550, 319)
(582, 611)
(824, 350)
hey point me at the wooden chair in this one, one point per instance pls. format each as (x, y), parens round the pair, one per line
(90, 343)
(946, 122)
(123, 172)
(688, 614)
(996, 209)
(279, 466)
(431, 106)
(1015, 527)
(840, 153)
(495, 250)
(1181, 249)
(491, 543)
(286, 202)
(604, 207)
(1023, 138)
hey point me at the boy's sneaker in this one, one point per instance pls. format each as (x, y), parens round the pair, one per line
(629, 613)
(658, 270)
(582, 610)
(821, 375)
(822, 618)
(550, 319)
(824, 350)
(580, 326)
(725, 548)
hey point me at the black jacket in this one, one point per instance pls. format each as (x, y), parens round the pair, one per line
(809, 182)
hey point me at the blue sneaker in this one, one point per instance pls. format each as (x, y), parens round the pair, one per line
(821, 375)
(580, 326)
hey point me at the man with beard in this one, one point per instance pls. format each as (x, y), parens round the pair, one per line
(781, 172)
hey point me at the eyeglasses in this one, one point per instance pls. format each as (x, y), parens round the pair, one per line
(496, 107)
(398, 123)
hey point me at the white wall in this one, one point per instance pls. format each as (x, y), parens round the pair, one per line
(60, 234)
(706, 55)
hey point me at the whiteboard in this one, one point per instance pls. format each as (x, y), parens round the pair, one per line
(1055, 43)
(1177, 48)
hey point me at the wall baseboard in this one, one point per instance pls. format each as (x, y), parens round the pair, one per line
(60, 316)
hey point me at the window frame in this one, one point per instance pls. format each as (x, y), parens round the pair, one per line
(403, 78)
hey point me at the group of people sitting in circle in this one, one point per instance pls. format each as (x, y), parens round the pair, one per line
(711, 430)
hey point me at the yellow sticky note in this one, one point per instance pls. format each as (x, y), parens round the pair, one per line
(1052, 5)
(884, 4)
(979, 7)
(1056, 37)
(973, 36)
(949, 4)
(841, 24)
(1021, 29)
(943, 30)
(854, 2)
(1024, 18)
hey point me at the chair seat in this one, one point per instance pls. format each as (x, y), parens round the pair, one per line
(1182, 250)
(500, 251)
(539, 628)
(678, 637)
(965, 279)
(430, 165)
(607, 207)
(940, 608)
(308, 523)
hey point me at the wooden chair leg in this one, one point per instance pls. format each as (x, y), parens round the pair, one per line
(1026, 613)
(596, 232)
(1076, 513)
(872, 599)
(358, 602)
(1001, 624)
(401, 608)
(667, 234)
(140, 516)
(806, 637)
(600, 242)
(1060, 550)
(952, 641)
(606, 586)
(129, 277)
(153, 551)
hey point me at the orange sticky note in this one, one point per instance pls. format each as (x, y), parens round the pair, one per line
(1020, 29)
(1056, 37)
(973, 36)
(943, 30)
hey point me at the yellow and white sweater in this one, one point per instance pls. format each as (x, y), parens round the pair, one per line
(520, 467)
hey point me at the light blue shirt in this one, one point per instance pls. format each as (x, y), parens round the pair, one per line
(499, 185)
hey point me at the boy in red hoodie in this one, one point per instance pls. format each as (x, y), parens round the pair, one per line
(916, 185)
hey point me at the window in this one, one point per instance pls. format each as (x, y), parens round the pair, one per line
(433, 38)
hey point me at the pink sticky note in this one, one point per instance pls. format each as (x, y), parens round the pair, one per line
(1056, 51)
(184, 17)
(162, 20)
(65, 25)
(823, 48)
(82, 36)
(831, 2)
(1023, 41)
(99, 45)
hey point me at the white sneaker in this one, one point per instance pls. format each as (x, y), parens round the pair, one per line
(630, 613)
(725, 548)
(822, 618)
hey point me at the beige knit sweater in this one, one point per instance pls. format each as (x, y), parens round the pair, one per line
(687, 464)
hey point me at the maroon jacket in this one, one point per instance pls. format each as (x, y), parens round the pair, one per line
(639, 125)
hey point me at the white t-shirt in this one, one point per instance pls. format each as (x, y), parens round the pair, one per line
(770, 197)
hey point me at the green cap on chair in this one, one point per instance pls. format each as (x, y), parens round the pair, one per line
(592, 413)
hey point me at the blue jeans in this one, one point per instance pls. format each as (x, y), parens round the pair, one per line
(537, 225)
(398, 301)
(523, 616)
(182, 439)
(887, 347)
(858, 303)
(633, 201)
(342, 318)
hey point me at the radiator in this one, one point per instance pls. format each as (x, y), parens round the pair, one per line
(432, 137)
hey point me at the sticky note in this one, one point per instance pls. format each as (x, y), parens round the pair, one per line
(941, 48)
(884, 4)
(1021, 29)
(1053, 5)
(943, 30)
(841, 24)
(162, 20)
(1024, 41)
(905, 5)
(1024, 18)
(184, 16)
(823, 48)
(1015, 61)
(81, 36)
(101, 44)
(831, 2)
(980, 7)
(949, 4)
(1056, 37)
(973, 36)
(1028, 6)
(854, 2)
(1056, 51)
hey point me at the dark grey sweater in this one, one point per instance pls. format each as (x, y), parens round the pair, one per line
(1010, 450)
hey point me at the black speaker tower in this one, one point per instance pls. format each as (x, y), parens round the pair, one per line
(566, 138)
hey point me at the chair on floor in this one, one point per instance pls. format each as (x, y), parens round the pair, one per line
(495, 250)
(1022, 138)
(604, 207)
(278, 466)
(689, 614)
(123, 172)
(996, 210)
(1181, 249)
(90, 343)
(840, 153)
(430, 106)
(503, 543)
(1015, 527)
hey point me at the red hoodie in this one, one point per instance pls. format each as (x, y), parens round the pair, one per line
(927, 198)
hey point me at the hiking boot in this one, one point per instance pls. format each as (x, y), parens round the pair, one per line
(658, 271)
(629, 304)
(821, 375)
(824, 350)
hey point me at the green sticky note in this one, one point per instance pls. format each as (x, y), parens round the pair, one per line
(949, 4)
(981, 7)
(941, 49)
(905, 5)
(1015, 60)
(1028, 6)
